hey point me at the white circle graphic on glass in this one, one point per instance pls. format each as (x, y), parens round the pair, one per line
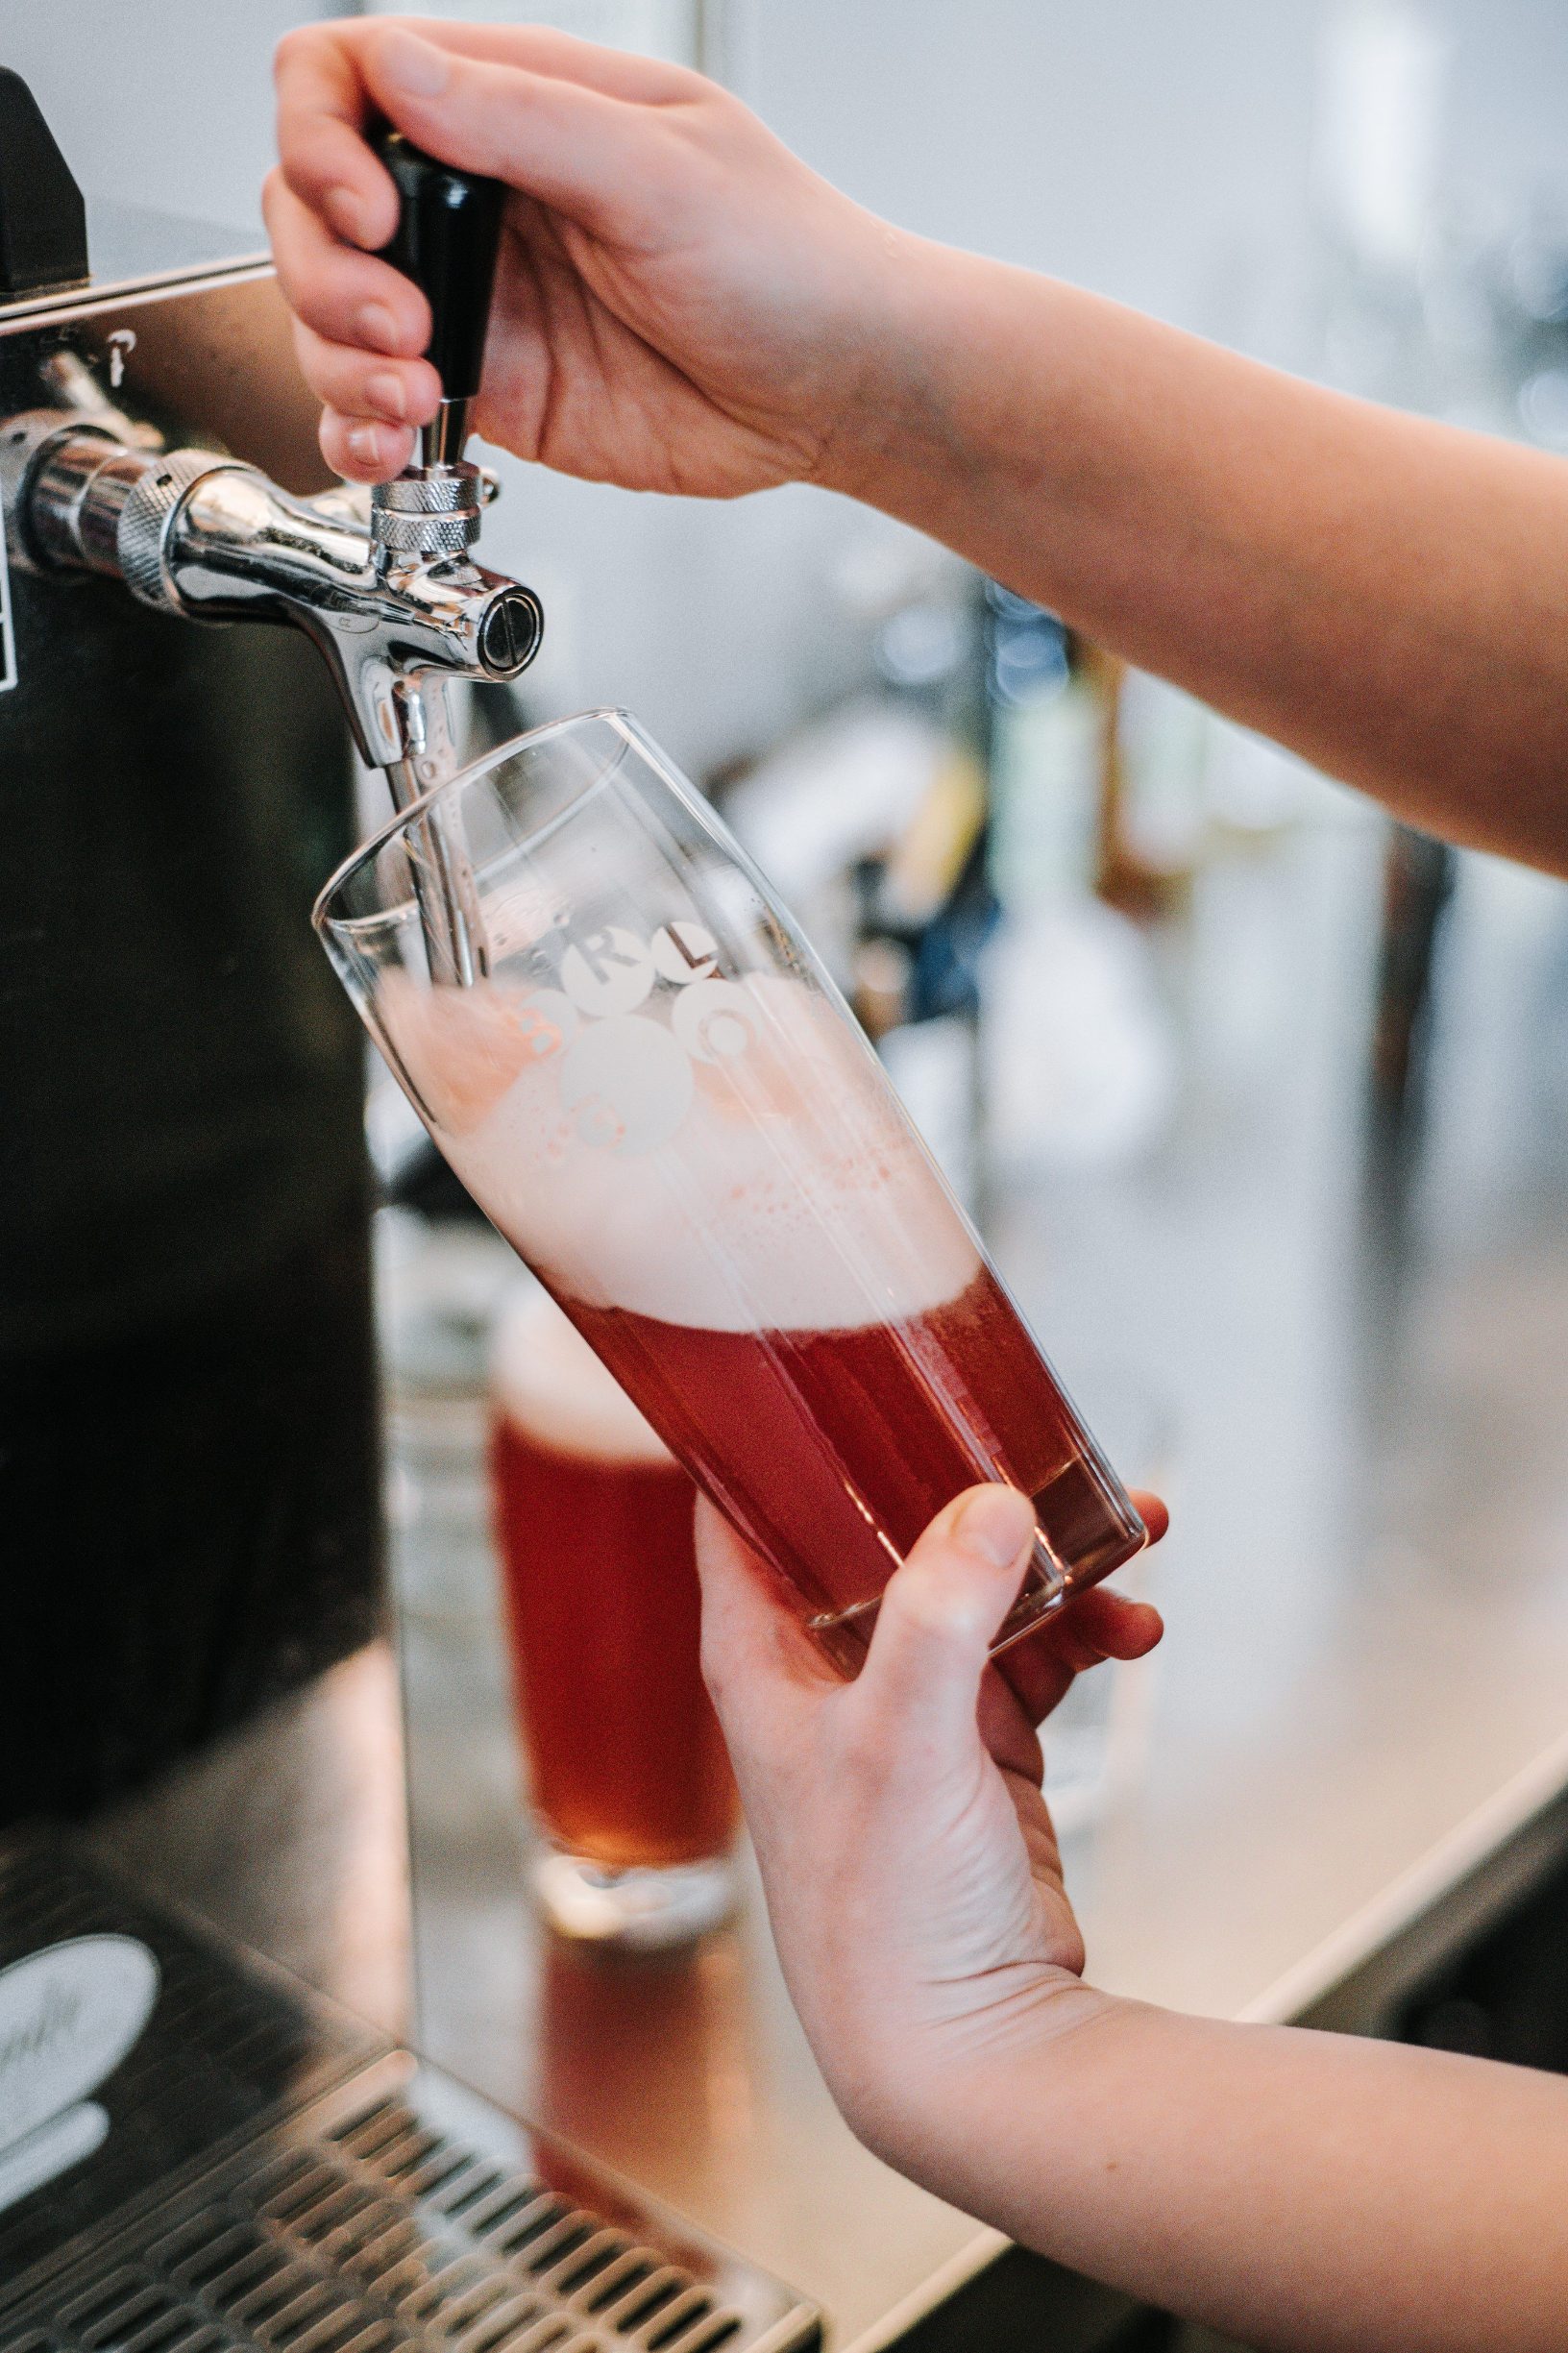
(684, 952)
(627, 1084)
(546, 1021)
(715, 1020)
(606, 971)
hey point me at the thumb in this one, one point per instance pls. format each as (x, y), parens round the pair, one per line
(941, 1612)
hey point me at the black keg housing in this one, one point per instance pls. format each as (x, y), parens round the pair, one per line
(189, 1484)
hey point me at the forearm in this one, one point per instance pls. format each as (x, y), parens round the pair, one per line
(1386, 596)
(1294, 2189)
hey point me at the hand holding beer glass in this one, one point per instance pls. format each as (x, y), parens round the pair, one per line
(639, 1070)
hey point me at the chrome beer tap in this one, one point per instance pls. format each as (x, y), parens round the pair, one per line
(387, 589)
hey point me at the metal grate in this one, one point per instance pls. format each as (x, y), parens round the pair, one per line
(386, 2233)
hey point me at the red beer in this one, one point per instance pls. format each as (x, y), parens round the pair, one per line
(593, 1529)
(792, 1301)
(832, 1458)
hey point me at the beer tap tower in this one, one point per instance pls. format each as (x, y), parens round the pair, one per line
(393, 601)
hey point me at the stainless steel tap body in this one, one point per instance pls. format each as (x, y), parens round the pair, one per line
(392, 599)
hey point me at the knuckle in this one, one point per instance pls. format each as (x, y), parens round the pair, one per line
(922, 1598)
(311, 305)
(303, 172)
(295, 44)
(1080, 1656)
(315, 366)
(335, 379)
(346, 370)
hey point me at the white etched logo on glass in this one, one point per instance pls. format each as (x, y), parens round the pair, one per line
(628, 1082)
(547, 1021)
(683, 953)
(607, 971)
(715, 1020)
(626, 1077)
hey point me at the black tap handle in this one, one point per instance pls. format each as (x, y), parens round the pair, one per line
(449, 228)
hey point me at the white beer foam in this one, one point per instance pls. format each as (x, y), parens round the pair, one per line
(547, 1382)
(788, 1198)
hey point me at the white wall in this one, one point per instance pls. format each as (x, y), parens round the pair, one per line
(1156, 149)
(161, 103)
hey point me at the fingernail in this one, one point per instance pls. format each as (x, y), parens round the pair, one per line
(377, 327)
(995, 1524)
(345, 215)
(411, 64)
(365, 444)
(385, 394)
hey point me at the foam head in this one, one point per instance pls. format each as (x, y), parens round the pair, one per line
(547, 1382)
(737, 1165)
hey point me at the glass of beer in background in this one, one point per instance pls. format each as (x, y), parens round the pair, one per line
(593, 1523)
(641, 1073)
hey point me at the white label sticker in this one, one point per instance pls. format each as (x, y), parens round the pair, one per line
(64, 2141)
(68, 2014)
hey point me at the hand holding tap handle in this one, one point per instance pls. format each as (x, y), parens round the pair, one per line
(199, 533)
(446, 237)
(445, 241)
(449, 226)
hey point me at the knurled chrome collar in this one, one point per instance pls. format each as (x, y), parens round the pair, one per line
(142, 535)
(432, 510)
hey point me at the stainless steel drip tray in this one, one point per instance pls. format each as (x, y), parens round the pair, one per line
(401, 2213)
(393, 2210)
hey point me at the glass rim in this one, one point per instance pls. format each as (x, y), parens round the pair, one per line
(371, 848)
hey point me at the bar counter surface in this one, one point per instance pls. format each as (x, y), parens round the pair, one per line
(1345, 1360)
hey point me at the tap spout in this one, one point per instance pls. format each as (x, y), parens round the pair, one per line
(390, 603)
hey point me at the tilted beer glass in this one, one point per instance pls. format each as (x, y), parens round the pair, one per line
(640, 1070)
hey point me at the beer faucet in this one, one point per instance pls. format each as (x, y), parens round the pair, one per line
(393, 598)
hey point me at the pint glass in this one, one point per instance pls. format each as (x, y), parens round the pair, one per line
(627, 1768)
(641, 1072)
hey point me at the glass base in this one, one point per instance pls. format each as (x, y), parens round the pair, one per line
(642, 1909)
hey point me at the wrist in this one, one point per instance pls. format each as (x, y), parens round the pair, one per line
(930, 2100)
(981, 416)
(890, 418)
